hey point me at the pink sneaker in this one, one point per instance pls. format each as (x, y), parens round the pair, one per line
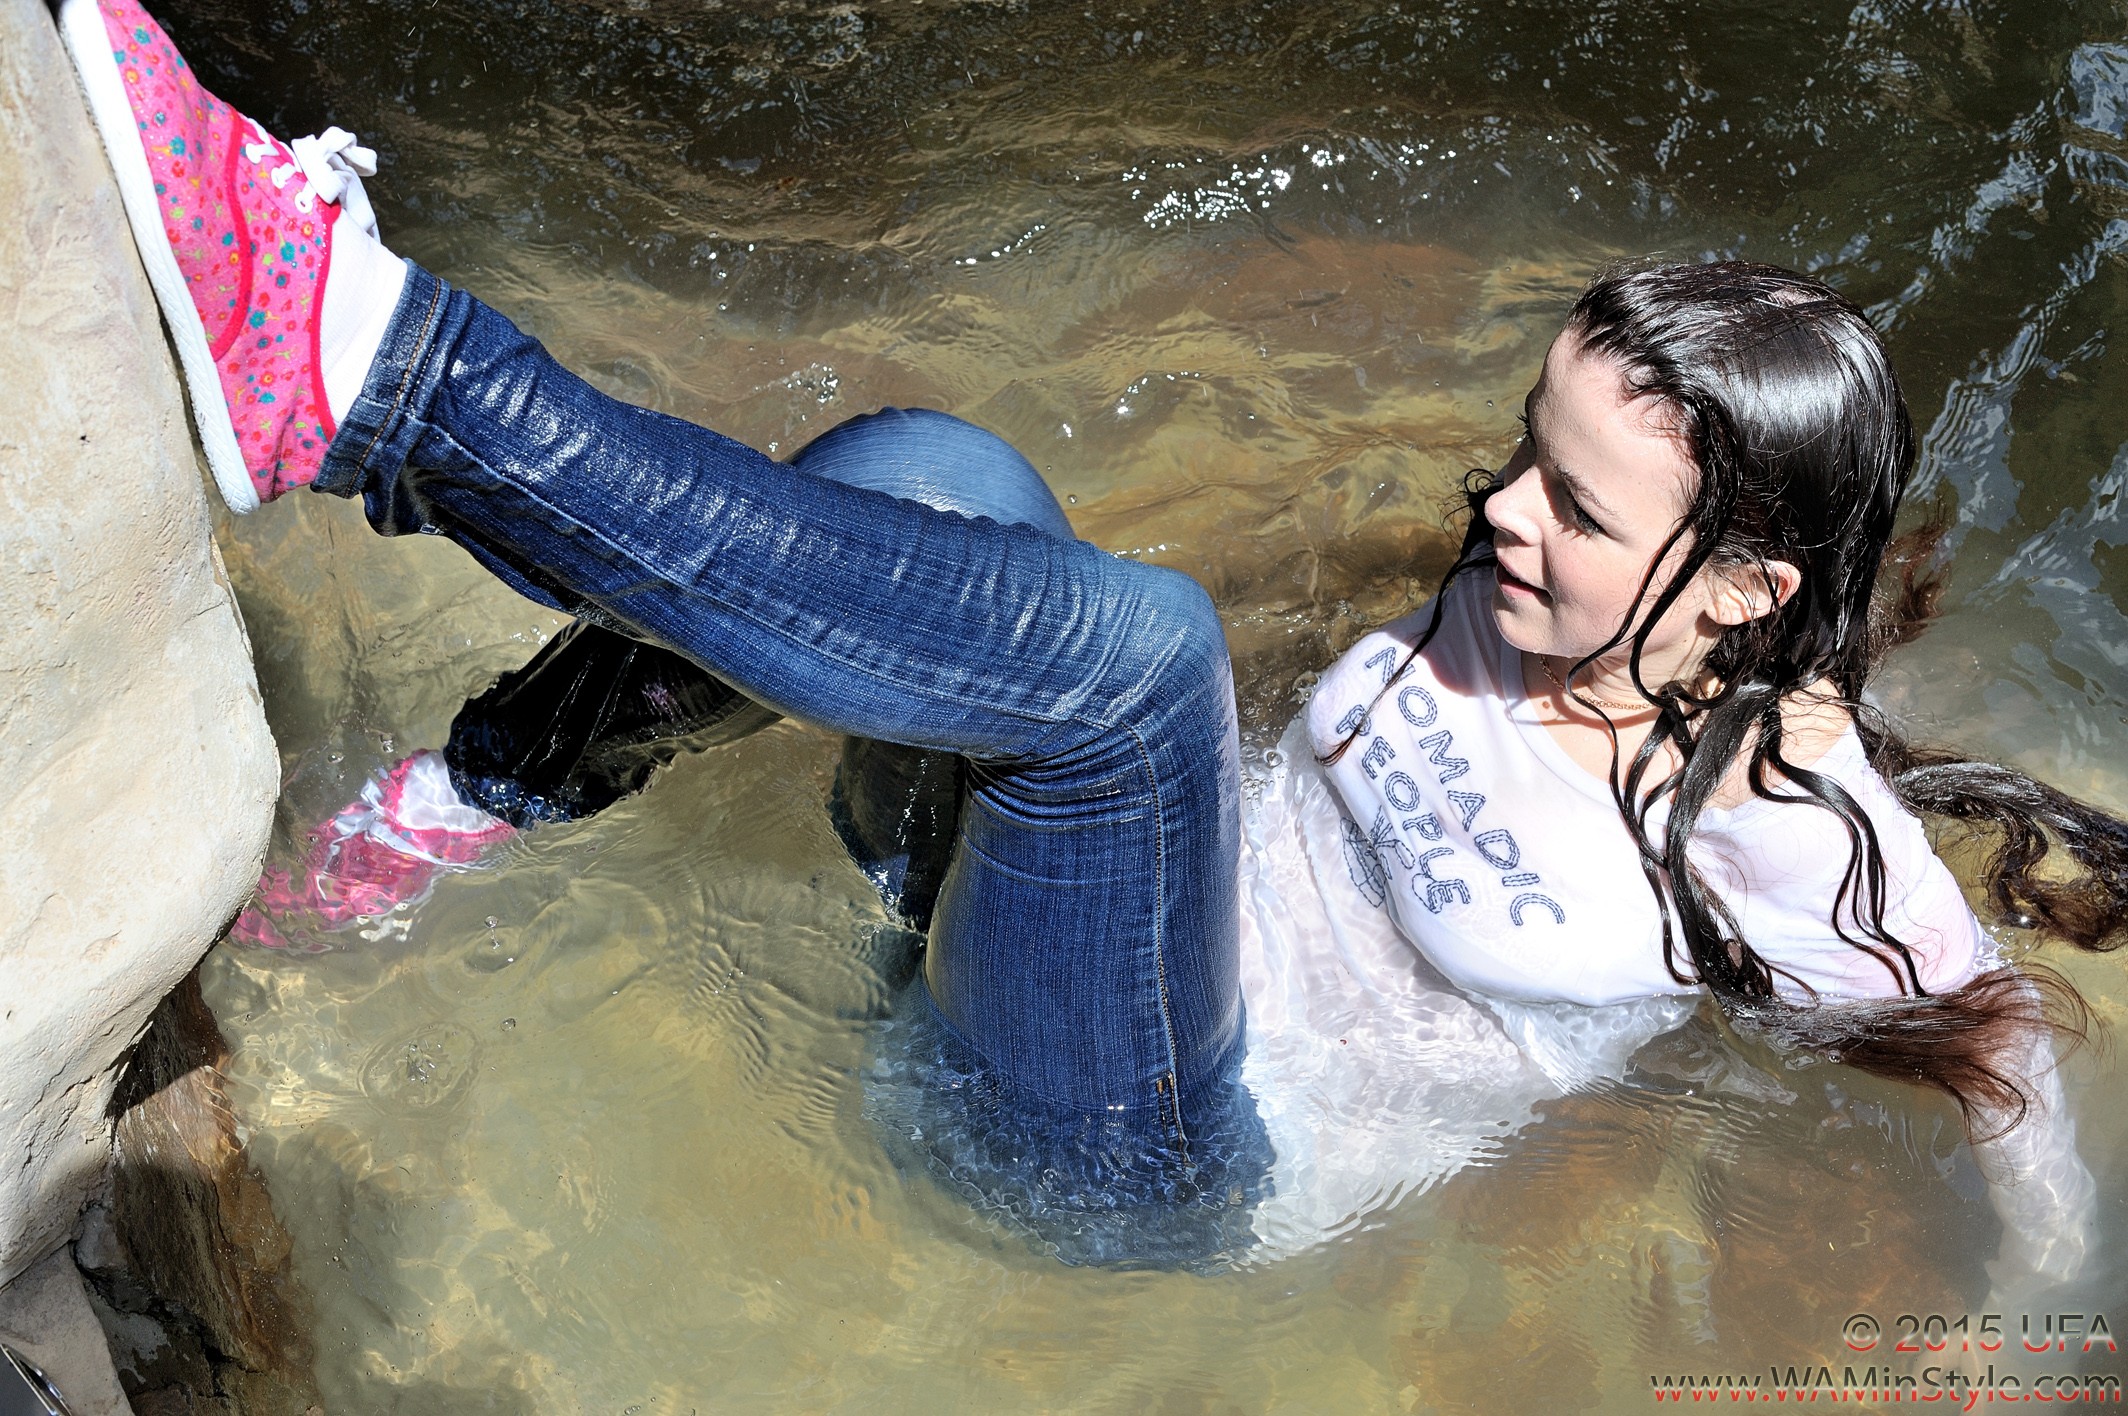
(235, 230)
(383, 850)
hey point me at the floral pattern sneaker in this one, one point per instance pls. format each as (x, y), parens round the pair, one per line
(235, 229)
(380, 853)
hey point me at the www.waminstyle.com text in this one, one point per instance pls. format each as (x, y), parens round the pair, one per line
(1945, 1388)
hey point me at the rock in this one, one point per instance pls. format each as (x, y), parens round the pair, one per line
(189, 1261)
(45, 1316)
(193, 1216)
(137, 776)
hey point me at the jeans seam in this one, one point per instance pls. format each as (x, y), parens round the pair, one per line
(1173, 1101)
(406, 376)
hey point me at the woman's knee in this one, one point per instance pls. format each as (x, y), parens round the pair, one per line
(1179, 600)
(919, 454)
(1171, 635)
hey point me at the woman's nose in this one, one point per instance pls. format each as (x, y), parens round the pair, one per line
(1514, 507)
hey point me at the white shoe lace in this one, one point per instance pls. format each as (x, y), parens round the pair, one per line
(332, 164)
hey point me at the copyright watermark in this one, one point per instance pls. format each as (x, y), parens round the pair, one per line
(1902, 1353)
(1915, 1333)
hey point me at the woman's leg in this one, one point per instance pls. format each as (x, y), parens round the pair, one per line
(897, 808)
(1084, 943)
(584, 723)
(594, 713)
(590, 717)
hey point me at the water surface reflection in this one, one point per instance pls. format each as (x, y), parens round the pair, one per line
(1253, 284)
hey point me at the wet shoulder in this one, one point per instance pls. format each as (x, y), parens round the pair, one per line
(1817, 733)
(1352, 685)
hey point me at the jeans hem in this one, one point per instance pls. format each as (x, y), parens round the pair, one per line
(377, 436)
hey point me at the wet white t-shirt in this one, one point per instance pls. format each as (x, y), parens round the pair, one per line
(1374, 1075)
(1507, 864)
(1450, 925)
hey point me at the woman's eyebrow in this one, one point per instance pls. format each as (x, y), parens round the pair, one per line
(1574, 484)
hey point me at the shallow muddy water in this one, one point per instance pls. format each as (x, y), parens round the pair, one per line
(1253, 284)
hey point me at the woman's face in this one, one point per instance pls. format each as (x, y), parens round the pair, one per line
(1597, 485)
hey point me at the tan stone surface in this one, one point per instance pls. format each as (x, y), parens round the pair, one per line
(45, 1316)
(137, 776)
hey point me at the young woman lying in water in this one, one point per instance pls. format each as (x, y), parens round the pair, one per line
(1620, 762)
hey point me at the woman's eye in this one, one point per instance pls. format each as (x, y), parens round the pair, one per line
(1565, 500)
(1586, 524)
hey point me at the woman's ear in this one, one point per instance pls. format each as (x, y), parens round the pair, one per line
(1743, 593)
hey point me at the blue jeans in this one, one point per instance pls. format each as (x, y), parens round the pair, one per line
(1082, 956)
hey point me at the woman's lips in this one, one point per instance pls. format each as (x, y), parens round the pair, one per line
(1513, 583)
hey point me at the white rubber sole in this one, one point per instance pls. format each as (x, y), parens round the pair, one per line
(81, 26)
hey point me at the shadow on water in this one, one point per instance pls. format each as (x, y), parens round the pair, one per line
(1253, 285)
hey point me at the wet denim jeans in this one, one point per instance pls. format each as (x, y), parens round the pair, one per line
(1081, 957)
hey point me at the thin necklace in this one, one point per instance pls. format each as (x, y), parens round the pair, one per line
(1561, 684)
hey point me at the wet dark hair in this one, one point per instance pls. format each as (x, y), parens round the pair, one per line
(1787, 400)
